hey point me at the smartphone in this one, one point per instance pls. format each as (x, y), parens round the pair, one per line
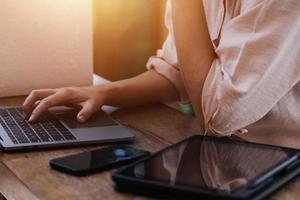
(97, 160)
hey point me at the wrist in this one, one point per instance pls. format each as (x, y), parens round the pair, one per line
(107, 93)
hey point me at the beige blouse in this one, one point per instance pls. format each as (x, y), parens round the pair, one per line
(253, 83)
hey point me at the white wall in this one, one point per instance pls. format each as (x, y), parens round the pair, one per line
(44, 44)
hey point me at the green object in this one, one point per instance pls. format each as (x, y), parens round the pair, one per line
(187, 109)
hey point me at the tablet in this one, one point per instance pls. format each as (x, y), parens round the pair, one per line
(209, 167)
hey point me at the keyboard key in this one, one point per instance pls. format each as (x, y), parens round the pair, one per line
(10, 135)
(70, 137)
(16, 131)
(56, 128)
(57, 137)
(49, 129)
(24, 125)
(41, 132)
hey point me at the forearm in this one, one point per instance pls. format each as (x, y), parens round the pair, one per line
(147, 88)
(194, 48)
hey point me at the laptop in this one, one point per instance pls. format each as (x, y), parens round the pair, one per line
(56, 128)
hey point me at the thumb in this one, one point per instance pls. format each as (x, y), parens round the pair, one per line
(88, 109)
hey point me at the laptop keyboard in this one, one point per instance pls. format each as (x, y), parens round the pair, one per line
(20, 131)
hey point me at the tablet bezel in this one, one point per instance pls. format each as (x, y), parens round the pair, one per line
(137, 185)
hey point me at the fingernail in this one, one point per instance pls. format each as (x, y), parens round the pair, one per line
(81, 118)
(32, 118)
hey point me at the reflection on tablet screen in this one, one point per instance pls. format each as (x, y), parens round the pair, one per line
(210, 164)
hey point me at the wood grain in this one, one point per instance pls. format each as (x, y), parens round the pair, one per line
(11, 187)
(27, 175)
(160, 121)
(33, 169)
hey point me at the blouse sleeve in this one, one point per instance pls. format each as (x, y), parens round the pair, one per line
(165, 62)
(258, 62)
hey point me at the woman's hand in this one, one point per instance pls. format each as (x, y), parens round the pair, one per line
(146, 88)
(89, 99)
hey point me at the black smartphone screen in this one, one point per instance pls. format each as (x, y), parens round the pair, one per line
(97, 160)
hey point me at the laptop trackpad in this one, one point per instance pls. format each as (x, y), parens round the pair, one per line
(68, 116)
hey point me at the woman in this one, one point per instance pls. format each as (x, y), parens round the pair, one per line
(236, 61)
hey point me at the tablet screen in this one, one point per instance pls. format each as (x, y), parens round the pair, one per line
(213, 164)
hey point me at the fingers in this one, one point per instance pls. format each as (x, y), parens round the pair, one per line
(33, 98)
(40, 101)
(45, 104)
(88, 109)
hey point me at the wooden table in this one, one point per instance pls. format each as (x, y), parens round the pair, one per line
(27, 175)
